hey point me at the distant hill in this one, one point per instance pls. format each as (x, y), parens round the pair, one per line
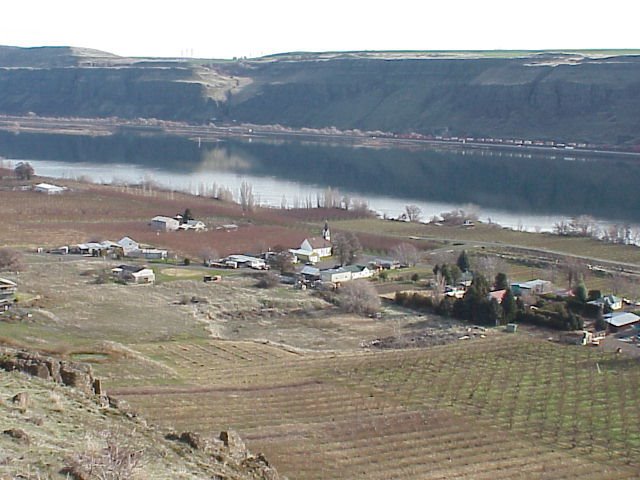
(587, 96)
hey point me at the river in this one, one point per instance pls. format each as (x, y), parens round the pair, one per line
(517, 189)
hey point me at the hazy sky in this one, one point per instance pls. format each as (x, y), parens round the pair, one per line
(224, 29)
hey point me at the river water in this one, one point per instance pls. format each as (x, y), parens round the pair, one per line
(517, 189)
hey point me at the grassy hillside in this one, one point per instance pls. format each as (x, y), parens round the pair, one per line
(55, 432)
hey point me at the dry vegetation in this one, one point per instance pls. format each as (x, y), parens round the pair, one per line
(286, 368)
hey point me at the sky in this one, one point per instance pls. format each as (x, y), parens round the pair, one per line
(238, 28)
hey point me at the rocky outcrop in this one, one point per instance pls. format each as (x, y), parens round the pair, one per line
(229, 447)
(73, 374)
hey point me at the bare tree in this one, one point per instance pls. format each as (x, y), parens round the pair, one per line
(405, 253)
(584, 226)
(413, 212)
(209, 255)
(10, 260)
(359, 297)
(224, 194)
(489, 266)
(247, 200)
(575, 271)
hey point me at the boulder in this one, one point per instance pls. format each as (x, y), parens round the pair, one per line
(232, 441)
(21, 400)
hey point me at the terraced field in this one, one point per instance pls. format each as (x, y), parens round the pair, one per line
(502, 407)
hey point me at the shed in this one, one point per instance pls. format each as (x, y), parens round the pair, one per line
(619, 320)
(49, 189)
(8, 291)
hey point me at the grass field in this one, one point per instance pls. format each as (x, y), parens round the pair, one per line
(582, 247)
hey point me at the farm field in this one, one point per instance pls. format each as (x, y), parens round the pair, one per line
(502, 407)
(492, 234)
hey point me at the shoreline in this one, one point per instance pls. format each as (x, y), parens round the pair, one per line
(213, 132)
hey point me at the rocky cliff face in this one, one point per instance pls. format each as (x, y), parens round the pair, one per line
(582, 100)
(563, 97)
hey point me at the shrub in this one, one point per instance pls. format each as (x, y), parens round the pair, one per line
(359, 297)
(10, 260)
(268, 280)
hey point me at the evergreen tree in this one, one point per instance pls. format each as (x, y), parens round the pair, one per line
(501, 282)
(581, 292)
(509, 306)
(463, 261)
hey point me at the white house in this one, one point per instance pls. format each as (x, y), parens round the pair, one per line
(164, 224)
(358, 271)
(49, 189)
(613, 302)
(317, 245)
(134, 273)
(128, 245)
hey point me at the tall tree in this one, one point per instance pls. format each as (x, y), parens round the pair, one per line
(581, 292)
(463, 261)
(405, 253)
(501, 282)
(509, 306)
(413, 213)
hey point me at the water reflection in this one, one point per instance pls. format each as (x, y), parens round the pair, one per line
(511, 187)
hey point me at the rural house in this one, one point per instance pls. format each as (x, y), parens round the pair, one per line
(8, 291)
(134, 274)
(149, 253)
(320, 246)
(497, 295)
(611, 301)
(49, 189)
(164, 224)
(335, 275)
(532, 287)
(128, 245)
(358, 271)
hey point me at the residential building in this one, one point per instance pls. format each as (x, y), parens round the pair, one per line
(533, 287)
(128, 245)
(134, 274)
(358, 271)
(164, 224)
(335, 275)
(611, 301)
